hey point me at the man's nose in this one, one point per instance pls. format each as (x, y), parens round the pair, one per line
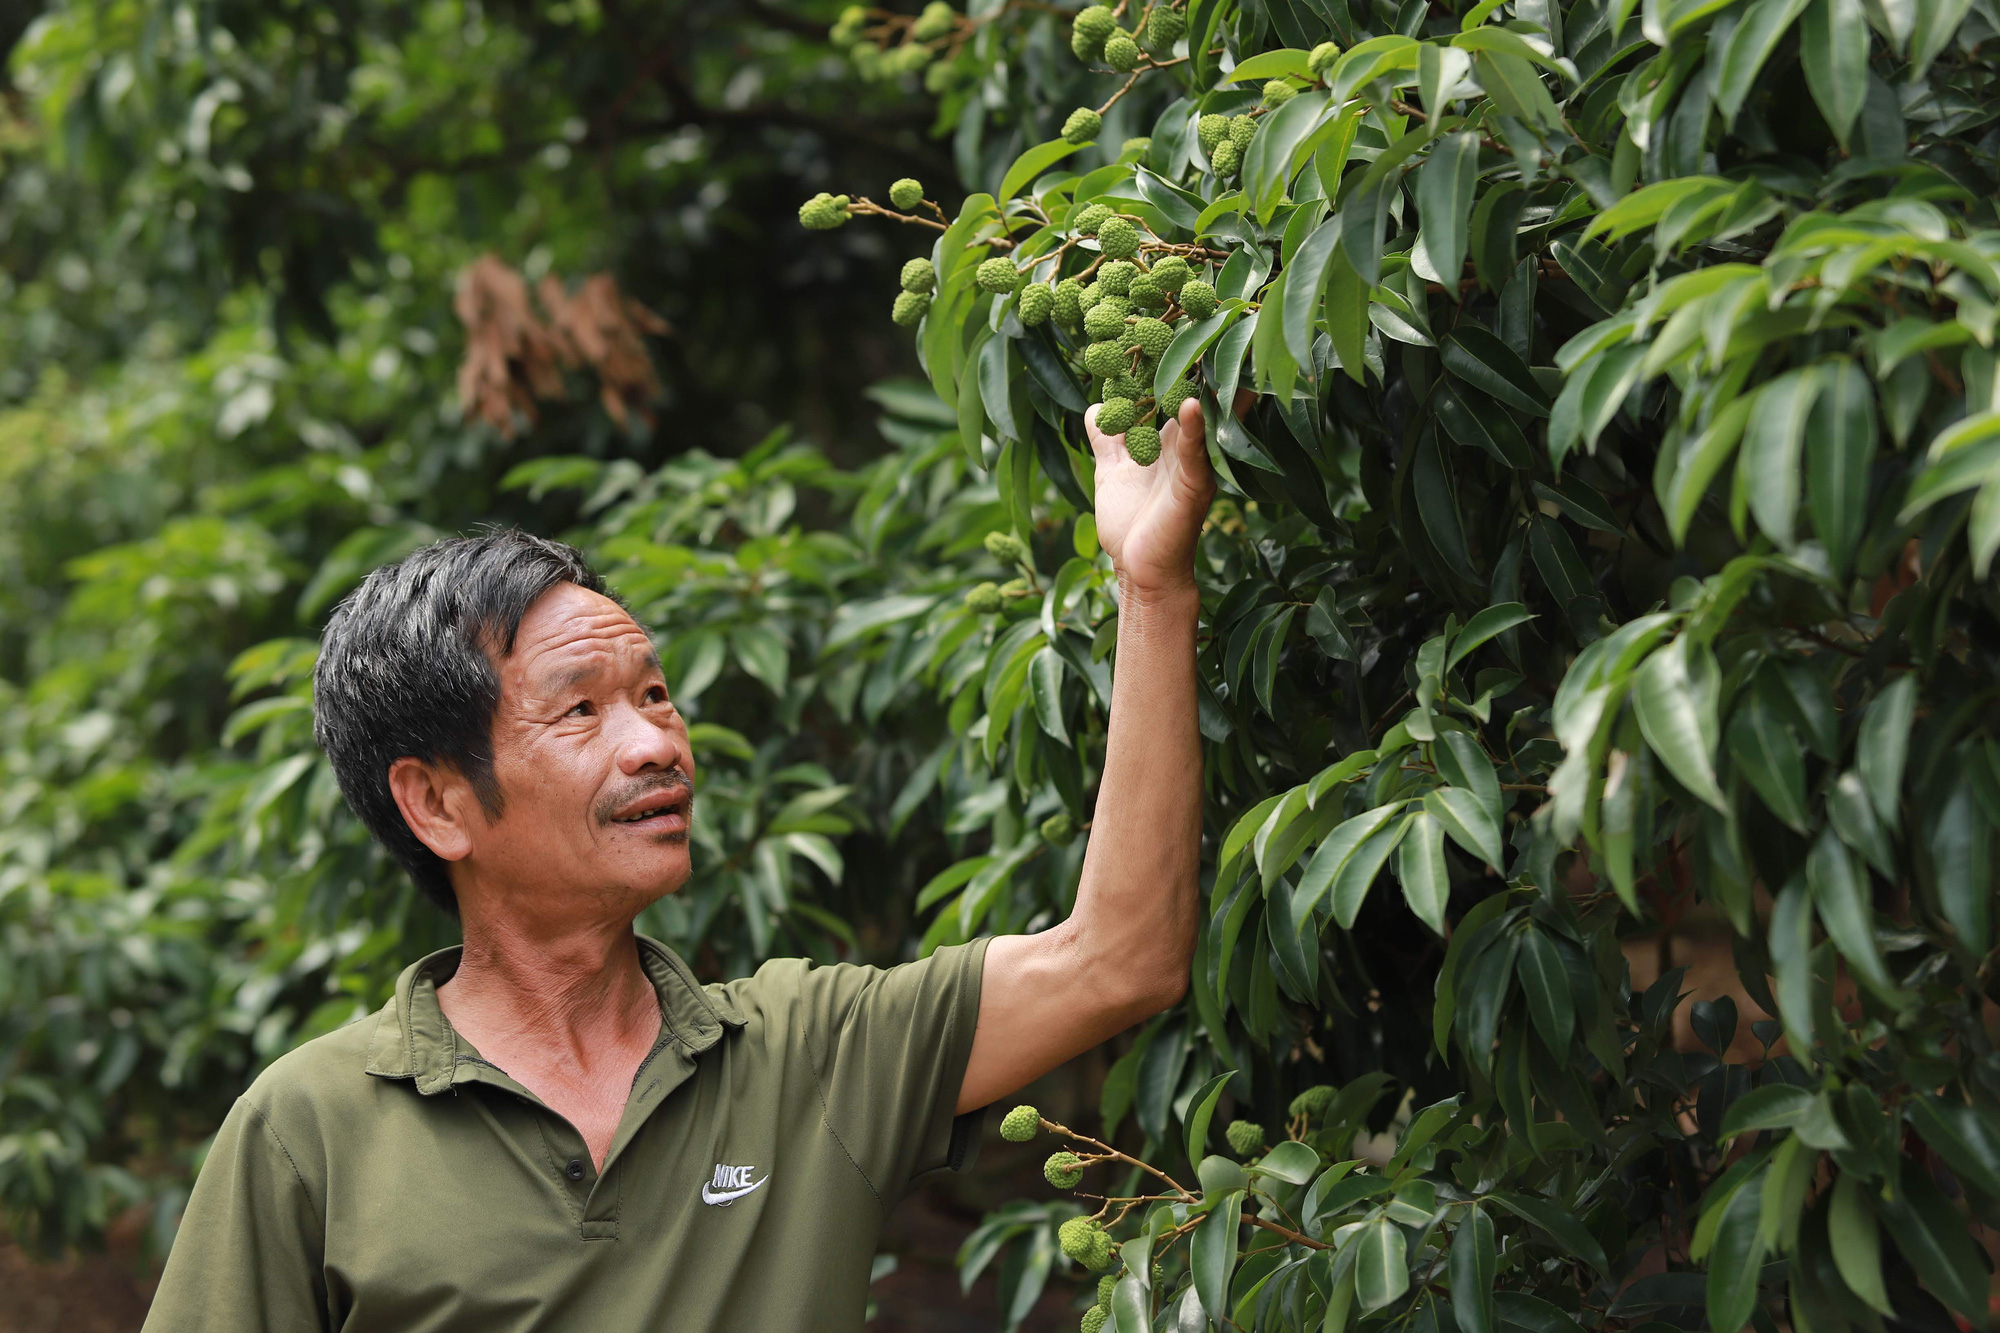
(642, 742)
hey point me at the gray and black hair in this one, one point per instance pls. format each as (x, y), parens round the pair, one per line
(406, 668)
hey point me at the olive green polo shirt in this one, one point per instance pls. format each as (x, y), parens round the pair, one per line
(386, 1178)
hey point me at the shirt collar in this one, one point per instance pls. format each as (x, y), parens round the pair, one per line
(414, 1040)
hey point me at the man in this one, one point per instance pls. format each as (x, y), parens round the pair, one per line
(556, 1126)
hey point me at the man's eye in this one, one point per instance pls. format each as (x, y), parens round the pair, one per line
(581, 709)
(656, 695)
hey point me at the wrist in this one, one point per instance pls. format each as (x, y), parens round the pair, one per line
(1157, 596)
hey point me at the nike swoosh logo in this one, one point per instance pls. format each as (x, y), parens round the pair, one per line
(710, 1194)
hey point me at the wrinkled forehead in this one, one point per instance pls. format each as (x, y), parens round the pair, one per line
(572, 638)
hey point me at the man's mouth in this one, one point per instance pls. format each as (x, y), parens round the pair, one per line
(657, 812)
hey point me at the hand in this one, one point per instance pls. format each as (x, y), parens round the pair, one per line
(1148, 518)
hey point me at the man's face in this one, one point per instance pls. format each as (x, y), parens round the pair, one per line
(592, 761)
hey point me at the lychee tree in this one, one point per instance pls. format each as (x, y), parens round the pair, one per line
(1606, 408)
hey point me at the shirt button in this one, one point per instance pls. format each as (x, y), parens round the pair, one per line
(575, 1169)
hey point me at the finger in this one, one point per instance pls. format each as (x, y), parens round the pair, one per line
(1102, 447)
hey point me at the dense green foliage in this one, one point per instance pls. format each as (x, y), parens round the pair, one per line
(1605, 398)
(1606, 529)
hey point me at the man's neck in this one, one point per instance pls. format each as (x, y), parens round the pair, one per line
(579, 991)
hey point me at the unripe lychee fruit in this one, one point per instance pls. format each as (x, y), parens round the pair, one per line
(1122, 53)
(906, 193)
(824, 212)
(1169, 403)
(1313, 1102)
(1117, 238)
(1245, 1137)
(1104, 359)
(1225, 157)
(1068, 306)
(1164, 27)
(910, 308)
(918, 275)
(1142, 442)
(1082, 125)
(1063, 1170)
(1153, 335)
(1116, 277)
(1145, 292)
(1006, 548)
(1105, 1286)
(1020, 1124)
(1059, 829)
(1211, 130)
(1106, 319)
(997, 275)
(1277, 92)
(1094, 1319)
(1198, 298)
(1093, 24)
(1093, 216)
(1242, 129)
(1171, 273)
(1322, 58)
(1135, 148)
(1078, 1237)
(1116, 416)
(984, 599)
(935, 21)
(1038, 302)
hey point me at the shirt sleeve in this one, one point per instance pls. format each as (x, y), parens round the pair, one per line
(889, 1048)
(248, 1255)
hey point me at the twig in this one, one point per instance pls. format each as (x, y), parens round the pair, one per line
(1109, 1151)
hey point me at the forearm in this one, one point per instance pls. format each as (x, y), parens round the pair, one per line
(1136, 902)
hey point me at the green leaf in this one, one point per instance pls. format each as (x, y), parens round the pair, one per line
(1767, 753)
(1462, 814)
(1833, 47)
(1268, 65)
(1884, 745)
(1201, 1110)
(1471, 1269)
(1480, 359)
(1750, 44)
(1546, 984)
(1967, 1138)
(1773, 443)
(1290, 1161)
(1308, 270)
(1841, 893)
(1445, 186)
(1840, 445)
(1936, 1239)
(1045, 675)
(1699, 459)
(1856, 1242)
(1358, 871)
(1213, 1256)
(1346, 307)
(1736, 1260)
(1191, 339)
(1032, 163)
(1268, 162)
(1420, 866)
(1563, 1228)
(1773, 1106)
(1381, 1265)
(1333, 855)
(1675, 699)
(1486, 623)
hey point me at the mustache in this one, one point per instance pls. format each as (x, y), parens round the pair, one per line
(669, 780)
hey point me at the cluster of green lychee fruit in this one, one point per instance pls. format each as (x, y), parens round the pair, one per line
(1096, 35)
(987, 598)
(1085, 1240)
(889, 49)
(1225, 139)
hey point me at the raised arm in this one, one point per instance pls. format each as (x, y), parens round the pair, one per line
(1123, 954)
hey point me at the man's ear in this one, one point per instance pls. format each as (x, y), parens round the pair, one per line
(436, 802)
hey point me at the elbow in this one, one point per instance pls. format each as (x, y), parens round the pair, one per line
(1154, 991)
